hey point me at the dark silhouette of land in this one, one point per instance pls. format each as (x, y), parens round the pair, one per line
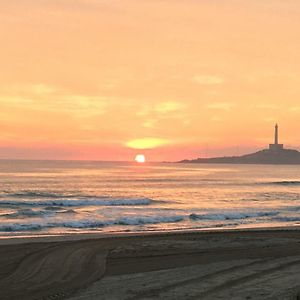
(276, 154)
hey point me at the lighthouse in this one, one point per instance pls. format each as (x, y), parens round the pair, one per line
(276, 134)
(276, 146)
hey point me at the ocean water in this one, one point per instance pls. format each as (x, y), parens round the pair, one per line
(58, 197)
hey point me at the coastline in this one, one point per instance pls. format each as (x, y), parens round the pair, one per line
(205, 264)
(73, 237)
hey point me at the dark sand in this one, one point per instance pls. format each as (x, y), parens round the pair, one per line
(244, 264)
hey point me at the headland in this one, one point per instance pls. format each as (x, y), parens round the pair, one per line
(275, 154)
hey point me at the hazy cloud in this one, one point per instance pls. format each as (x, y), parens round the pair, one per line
(226, 106)
(150, 123)
(207, 79)
(147, 143)
(166, 107)
(266, 106)
(270, 119)
(295, 109)
(216, 119)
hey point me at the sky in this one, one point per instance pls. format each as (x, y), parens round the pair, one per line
(172, 79)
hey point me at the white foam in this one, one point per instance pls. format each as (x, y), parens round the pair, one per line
(27, 213)
(20, 227)
(286, 182)
(288, 219)
(139, 220)
(232, 216)
(149, 220)
(80, 202)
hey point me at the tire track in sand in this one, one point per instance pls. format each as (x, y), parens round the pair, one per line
(54, 272)
(205, 286)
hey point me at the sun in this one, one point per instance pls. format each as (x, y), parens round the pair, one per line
(140, 158)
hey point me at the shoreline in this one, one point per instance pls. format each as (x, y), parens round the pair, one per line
(73, 237)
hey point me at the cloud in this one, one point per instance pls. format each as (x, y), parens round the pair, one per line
(42, 89)
(150, 123)
(267, 106)
(144, 111)
(207, 79)
(295, 109)
(270, 119)
(30, 89)
(43, 97)
(226, 106)
(85, 105)
(16, 101)
(216, 119)
(147, 143)
(77, 105)
(186, 122)
(166, 107)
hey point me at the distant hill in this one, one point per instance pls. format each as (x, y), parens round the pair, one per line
(266, 156)
(275, 155)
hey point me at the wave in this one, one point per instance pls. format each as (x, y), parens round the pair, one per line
(39, 194)
(47, 223)
(287, 219)
(293, 208)
(265, 196)
(284, 182)
(149, 220)
(80, 202)
(29, 213)
(26, 213)
(232, 216)
(91, 224)
(20, 227)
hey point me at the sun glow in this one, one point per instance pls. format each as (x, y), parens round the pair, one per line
(140, 158)
(166, 95)
(146, 143)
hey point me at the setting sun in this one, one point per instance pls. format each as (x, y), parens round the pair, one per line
(140, 134)
(140, 158)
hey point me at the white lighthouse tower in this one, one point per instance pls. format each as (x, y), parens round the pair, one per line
(276, 146)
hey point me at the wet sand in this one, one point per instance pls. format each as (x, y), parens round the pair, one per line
(240, 264)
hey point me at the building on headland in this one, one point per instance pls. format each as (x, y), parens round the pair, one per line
(275, 154)
(276, 146)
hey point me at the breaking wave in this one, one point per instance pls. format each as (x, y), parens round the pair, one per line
(270, 196)
(39, 194)
(26, 213)
(80, 202)
(288, 219)
(237, 218)
(20, 227)
(232, 216)
(285, 182)
(91, 224)
(29, 213)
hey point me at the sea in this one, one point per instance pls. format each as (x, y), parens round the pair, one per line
(65, 197)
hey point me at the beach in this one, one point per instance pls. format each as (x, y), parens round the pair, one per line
(232, 264)
(83, 230)
(149, 150)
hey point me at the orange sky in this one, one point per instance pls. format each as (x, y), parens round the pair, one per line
(95, 79)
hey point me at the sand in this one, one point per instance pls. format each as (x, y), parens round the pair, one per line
(238, 264)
